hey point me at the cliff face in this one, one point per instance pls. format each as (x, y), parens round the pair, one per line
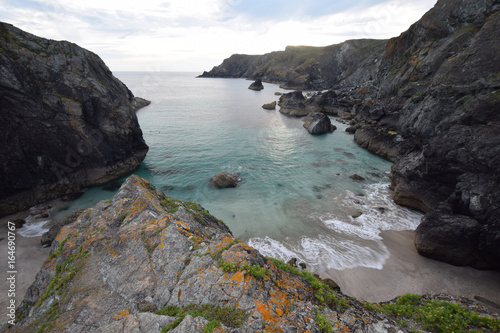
(67, 122)
(430, 101)
(306, 67)
(133, 263)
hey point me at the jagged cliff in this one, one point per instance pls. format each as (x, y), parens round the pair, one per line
(306, 67)
(67, 122)
(144, 262)
(428, 100)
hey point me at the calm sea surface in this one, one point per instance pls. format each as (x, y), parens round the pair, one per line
(295, 199)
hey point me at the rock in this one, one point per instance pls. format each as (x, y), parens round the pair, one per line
(225, 180)
(120, 260)
(55, 226)
(351, 129)
(18, 223)
(256, 85)
(277, 93)
(270, 106)
(356, 177)
(318, 123)
(292, 262)
(43, 216)
(67, 122)
(452, 238)
(292, 104)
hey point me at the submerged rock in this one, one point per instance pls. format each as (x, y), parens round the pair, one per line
(225, 180)
(318, 123)
(256, 85)
(120, 261)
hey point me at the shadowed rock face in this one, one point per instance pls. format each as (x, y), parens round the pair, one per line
(67, 122)
(141, 251)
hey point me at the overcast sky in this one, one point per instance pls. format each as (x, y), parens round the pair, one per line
(195, 35)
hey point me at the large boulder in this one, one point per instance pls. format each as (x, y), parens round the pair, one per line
(293, 104)
(318, 123)
(256, 85)
(269, 106)
(225, 180)
(67, 122)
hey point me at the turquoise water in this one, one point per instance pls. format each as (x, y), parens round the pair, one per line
(295, 198)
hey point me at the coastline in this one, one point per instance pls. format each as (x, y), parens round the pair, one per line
(408, 272)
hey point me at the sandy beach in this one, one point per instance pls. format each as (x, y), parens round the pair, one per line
(408, 272)
(30, 256)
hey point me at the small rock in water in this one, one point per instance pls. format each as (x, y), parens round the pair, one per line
(225, 180)
(270, 106)
(257, 85)
(292, 262)
(357, 177)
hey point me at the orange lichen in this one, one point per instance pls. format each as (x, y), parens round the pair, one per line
(122, 314)
(238, 277)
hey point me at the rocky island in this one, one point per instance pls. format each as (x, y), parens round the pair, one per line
(67, 122)
(427, 100)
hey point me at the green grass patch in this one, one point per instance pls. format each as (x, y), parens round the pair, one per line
(323, 322)
(436, 315)
(229, 316)
(170, 205)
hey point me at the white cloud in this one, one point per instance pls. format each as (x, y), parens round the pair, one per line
(193, 35)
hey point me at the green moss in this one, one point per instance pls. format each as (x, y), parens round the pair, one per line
(227, 266)
(170, 205)
(229, 316)
(122, 217)
(59, 249)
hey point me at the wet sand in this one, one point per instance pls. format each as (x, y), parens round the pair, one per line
(407, 272)
(30, 256)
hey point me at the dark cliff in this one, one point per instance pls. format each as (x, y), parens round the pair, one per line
(67, 122)
(429, 100)
(306, 67)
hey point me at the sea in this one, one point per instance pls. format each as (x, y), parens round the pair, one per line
(296, 198)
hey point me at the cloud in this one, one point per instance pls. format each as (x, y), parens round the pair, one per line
(195, 35)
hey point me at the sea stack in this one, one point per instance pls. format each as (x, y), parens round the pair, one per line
(256, 85)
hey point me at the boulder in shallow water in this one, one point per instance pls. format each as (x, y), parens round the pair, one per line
(318, 123)
(225, 180)
(270, 106)
(256, 85)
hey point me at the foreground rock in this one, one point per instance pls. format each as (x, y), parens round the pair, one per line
(225, 180)
(67, 122)
(318, 123)
(256, 85)
(124, 259)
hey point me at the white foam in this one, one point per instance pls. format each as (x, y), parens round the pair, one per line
(324, 252)
(33, 228)
(353, 242)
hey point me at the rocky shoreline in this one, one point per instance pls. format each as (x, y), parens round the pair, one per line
(427, 100)
(180, 257)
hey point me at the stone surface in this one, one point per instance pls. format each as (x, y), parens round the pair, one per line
(270, 106)
(141, 251)
(67, 122)
(318, 123)
(256, 85)
(225, 180)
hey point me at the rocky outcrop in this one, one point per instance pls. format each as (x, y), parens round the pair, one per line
(293, 104)
(307, 67)
(269, 106)
(318, 123)
(256, 85)
(225, 180)
(67, 122)
(137, 261)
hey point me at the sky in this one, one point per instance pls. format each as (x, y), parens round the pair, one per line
(195, 35)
